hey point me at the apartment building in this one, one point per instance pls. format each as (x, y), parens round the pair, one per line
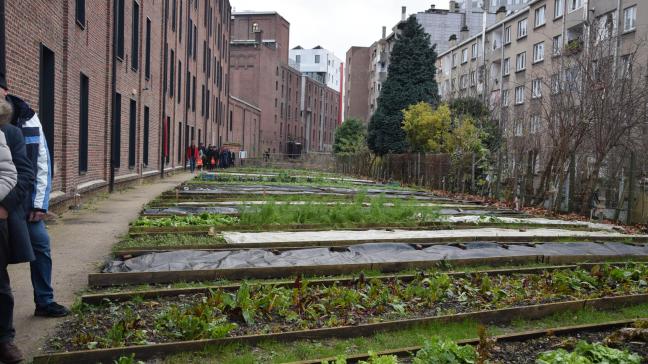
(528, 57)
(440, 24)
(357, 73)
(118, 109)
(263, 75)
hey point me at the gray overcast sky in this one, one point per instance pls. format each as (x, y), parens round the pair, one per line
(337, 24)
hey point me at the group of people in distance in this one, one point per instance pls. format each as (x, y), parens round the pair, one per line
(25, 188)
(209, 157)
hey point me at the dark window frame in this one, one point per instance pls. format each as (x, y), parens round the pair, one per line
(120, 29)
(84, 108)
(116, 147)
(80, 13)
(147, 60)
(135, 34)
(132, 134)
(147, 135)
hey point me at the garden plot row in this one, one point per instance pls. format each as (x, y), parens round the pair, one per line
(279, 177)
(623, 342)
(197, 265)
(312, 310)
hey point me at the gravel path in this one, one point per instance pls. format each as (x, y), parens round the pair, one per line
(81, 241)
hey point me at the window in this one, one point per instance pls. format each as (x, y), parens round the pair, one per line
(172, 75)
(147, 60)
(202, 101)
(522, 28)
(179, 81)
(606, 26)
(538, 52)
(147, 132)
(80, 13)
(630, 18)
(195, 42)
(540, 16)
(626, 66)
(555, 84)
(520, 62)
(132, 133)
(536, 88)
(519, 128)
(464, 55)
(174, 14)
(507, 66)
(557, 44)
(193, 96)
(463, 82)
(46, 91)
(473, 78)
(190, 37)
(120, 29)
(179, 150)
(535, 124)
(135, 37)
(559, 8)
(505, 98)
(575, 4)
(317, 58)
(475, 50)
(454, 59)
(507, 35)
(84, 91)
(298, 58)
(180, 26)
(519, 95)
(116, 147)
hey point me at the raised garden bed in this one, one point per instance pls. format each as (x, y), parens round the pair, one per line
(314, 311)
(524, 347)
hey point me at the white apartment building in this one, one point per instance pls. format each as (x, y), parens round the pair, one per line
(319, 64)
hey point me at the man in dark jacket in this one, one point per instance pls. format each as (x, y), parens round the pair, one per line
(36, 145)
(18, 246)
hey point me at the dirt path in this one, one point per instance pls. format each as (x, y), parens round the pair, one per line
(80, 243)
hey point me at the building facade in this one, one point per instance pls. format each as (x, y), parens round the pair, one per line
(263, 75)
(318, 63)
(121, 87)
(357, 78)
(532, 70)
(440, 24)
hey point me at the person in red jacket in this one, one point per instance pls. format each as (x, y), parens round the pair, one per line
(192, 155)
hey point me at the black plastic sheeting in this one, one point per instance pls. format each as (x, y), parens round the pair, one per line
(366, 253)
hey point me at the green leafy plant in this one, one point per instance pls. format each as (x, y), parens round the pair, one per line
(438, 350)
(586, 353)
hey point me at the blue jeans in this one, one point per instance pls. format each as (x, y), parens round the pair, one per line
(41, 268)
(192, 164)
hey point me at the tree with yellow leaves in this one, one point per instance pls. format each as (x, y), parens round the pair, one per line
(427, 128)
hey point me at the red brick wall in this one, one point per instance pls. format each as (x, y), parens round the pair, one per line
(88, 49)
(245, 127)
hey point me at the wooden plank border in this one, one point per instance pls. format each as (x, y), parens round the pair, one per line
(134, 278)
(487, 317)
(526, 335)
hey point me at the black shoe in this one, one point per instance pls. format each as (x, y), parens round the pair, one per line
(51, 310)
(10, 354)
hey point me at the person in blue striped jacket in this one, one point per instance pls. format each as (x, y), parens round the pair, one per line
(41, 268)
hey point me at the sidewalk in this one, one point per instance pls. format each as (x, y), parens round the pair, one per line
(81, 241)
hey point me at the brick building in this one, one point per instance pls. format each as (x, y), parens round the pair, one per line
(169, 84)
(357, 73)
(297, 113)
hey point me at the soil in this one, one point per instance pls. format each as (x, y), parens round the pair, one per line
(523, 351)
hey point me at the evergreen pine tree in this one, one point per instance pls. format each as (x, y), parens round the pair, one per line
(411, 79)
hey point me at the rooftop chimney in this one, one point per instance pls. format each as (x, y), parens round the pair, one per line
(404, 13)
(501, 13)
(384, 32)
(464, 33)
(258, 33)
(454, 6)
(453, 40)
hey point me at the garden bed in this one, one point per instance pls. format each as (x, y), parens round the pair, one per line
(518, 348)
(254, 313)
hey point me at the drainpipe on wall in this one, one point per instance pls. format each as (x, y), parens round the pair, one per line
(113, 87)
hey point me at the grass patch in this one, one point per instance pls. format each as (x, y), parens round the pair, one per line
(169, 240)
(274, 352)
(294, 181)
